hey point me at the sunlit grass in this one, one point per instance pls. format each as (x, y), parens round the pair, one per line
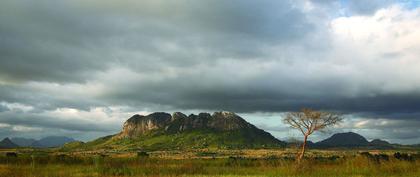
(50, 165)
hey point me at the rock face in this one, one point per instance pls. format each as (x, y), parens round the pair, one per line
(138, 124)
(178, 122)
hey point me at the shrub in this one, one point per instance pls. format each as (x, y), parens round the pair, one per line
(403, 156)
(142, 154)
(11, 154)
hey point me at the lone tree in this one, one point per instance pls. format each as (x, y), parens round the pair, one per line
(307, 121)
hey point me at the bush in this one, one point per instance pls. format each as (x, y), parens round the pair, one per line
(11, 154)
(403, 156)
(142, 154)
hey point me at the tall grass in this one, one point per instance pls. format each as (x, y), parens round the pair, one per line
(44, 165)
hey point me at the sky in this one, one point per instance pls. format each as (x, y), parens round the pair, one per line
(81, 68)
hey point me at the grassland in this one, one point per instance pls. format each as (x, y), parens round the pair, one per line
(206, 162)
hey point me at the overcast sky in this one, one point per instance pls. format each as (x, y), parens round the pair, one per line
(81, 68)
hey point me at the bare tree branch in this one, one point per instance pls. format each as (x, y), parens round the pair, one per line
(307, 121)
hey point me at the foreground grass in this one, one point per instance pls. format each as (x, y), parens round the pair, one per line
(92, 166)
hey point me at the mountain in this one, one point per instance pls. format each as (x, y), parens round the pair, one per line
(23, 142)
(51, 141)
(353, 140)
(379, 142)
(348, 139)
(160, 131)
(7, 143)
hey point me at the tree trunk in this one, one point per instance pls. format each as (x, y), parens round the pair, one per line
(302, 152)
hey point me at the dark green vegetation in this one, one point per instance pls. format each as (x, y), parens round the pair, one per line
(211, 163)
(193, 139)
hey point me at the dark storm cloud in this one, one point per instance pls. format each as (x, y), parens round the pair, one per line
(198, 92)
(68, 41)
(65, 42)
(47, 41)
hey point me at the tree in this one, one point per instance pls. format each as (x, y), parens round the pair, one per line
(307, 121)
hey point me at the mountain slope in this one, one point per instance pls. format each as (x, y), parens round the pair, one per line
(7, 143)
(160, 131)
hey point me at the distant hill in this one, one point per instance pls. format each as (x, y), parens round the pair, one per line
(348, 139)
(23, 142)
(160, 131)
(7, 143)
(354, 140)
(380, 143)
(51, 141)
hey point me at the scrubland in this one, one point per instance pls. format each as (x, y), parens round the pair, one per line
(319, 163)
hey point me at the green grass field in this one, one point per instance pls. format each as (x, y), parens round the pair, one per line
(205, 163)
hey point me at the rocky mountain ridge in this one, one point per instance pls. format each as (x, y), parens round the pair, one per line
(179, 122)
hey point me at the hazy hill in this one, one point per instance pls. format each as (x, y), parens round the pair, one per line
(160, 130)
(353, 140)
(23, 142)
(7, 143)
(379, 142)
(51, 141)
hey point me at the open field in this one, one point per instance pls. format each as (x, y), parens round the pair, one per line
(206, 163)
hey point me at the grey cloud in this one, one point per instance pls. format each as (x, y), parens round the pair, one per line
(65, 42)
(3, 108)
(68, 41)
(198, 92)
(45, 121)
(43, 100)
(367, 7)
